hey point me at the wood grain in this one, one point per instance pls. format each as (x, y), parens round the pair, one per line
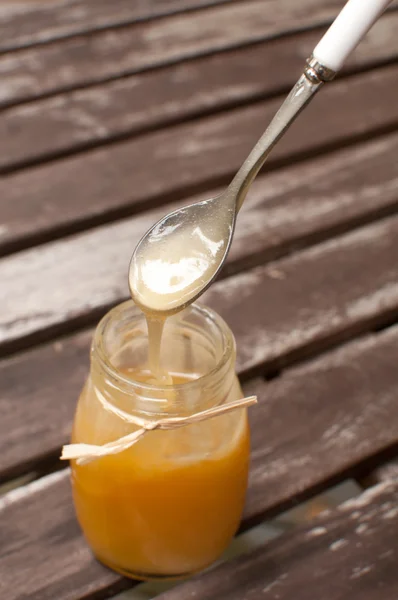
(105, 55)
(349, 554)
(323, 294)
(169, 165)
(279, 313)
(313, 424)
(76, 120)
(289, 209)
(334, 416)
(47, 528)
(37, 22)
(38, 393)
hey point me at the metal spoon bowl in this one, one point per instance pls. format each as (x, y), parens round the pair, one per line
(180, 255)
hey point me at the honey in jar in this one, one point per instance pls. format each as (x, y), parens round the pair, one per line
(169, 505)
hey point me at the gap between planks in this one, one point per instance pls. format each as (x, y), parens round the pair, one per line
(15, 18)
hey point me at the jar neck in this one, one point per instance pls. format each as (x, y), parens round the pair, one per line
(197, 345)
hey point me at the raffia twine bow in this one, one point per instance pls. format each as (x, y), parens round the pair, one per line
(85, 453)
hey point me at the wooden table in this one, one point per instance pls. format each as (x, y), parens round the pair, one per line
(92, 91)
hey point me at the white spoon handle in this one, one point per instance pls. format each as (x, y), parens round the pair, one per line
(355, 19)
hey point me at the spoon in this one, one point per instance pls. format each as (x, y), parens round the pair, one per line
(181, 254)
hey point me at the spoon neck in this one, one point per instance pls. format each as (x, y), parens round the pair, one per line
(298, 98)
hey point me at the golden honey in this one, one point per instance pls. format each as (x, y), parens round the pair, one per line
(169, 505)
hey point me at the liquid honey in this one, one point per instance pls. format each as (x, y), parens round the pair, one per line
(169, 505)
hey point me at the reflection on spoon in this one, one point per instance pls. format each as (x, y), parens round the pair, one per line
(176, 258)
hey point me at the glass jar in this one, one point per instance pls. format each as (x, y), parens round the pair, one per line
(169, 505)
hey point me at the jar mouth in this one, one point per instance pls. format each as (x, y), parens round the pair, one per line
(98, 348)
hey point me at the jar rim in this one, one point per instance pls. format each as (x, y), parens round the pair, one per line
(228, 347)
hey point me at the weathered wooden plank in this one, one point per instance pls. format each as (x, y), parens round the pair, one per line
(76, 120)
(105, 55)
(38, 393)
(27, 24)
(290, 208)
(312, 425)
(161, 166)
(349, 554)
(47, 527)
